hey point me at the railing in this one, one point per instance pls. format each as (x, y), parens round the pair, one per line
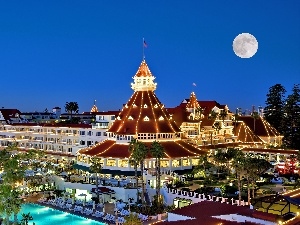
(196, 197)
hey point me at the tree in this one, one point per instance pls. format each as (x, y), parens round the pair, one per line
(25, 218)
(291, 119)
(217, 127)
(274, 106)
(238, 164)
(140, 156)
(212, 115)
(219, 159)
(223, 114)
(158, 152)
(255, 116)
(71, 107)
(132, 219)
(199, 112)
(133, 146)
(235, 119)
(96, 167)
(253, 168)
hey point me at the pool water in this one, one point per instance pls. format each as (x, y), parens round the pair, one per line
(44, 216)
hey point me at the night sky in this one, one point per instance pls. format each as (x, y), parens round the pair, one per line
(52, 52)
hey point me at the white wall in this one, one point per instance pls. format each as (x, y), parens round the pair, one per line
(121, 193)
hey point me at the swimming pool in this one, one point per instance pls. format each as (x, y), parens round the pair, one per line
(44, 216)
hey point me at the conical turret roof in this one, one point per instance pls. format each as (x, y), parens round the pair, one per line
(143, 113)
(193, 102)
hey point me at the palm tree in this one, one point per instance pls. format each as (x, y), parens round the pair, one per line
(219, 159)
(213, 115)
(143, 152)
(158, 152)
(235, 119)
(5, 203)
(230, 154)
(71, 107)
(133, 146)
(96, 167)
(25, 218)
(223, 114)
(217, 126)
(255, 167)
(238, 165)
(199, 111)
(255, 116)
(132, 219)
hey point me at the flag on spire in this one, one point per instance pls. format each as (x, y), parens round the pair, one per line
(194, 84)
(145, 44)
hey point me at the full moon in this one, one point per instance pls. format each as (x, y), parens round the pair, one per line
(245, 45)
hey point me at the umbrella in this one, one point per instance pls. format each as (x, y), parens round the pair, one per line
(82, 194)
(64, 173)
(94, 205)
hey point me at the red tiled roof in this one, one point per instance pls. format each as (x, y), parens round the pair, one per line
(262, 127)
(207, 122)
(245, 134)
(173, 149)
(9, 113)
(143, 104)
(203, 212)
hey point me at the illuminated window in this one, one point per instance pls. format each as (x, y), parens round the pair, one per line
(155, 106)
(195, 162)
(146, 118)
(161, 118)
(185, 162)
(175, 163)
(164, 163)
(130, 118)
(111, 162)
(123, 163)
(145, 106)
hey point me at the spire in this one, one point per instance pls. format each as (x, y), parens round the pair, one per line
(94, 108)
(143, 79)
(193, 102)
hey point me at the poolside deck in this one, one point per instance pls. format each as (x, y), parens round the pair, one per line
(108, 208)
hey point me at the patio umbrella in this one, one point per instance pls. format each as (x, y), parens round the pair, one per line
(63, 173)
(94, 205)
(82, 194)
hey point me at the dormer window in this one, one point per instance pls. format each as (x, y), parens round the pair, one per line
(146, 118)
(145, 106)
(134, 105)
(118, 118)
(126, 106)
(161, 118)
(155, 106)
(130, 118)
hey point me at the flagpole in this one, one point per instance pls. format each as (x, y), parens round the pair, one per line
(143, 49)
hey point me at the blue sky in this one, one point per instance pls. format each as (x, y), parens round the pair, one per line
(52, 52)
